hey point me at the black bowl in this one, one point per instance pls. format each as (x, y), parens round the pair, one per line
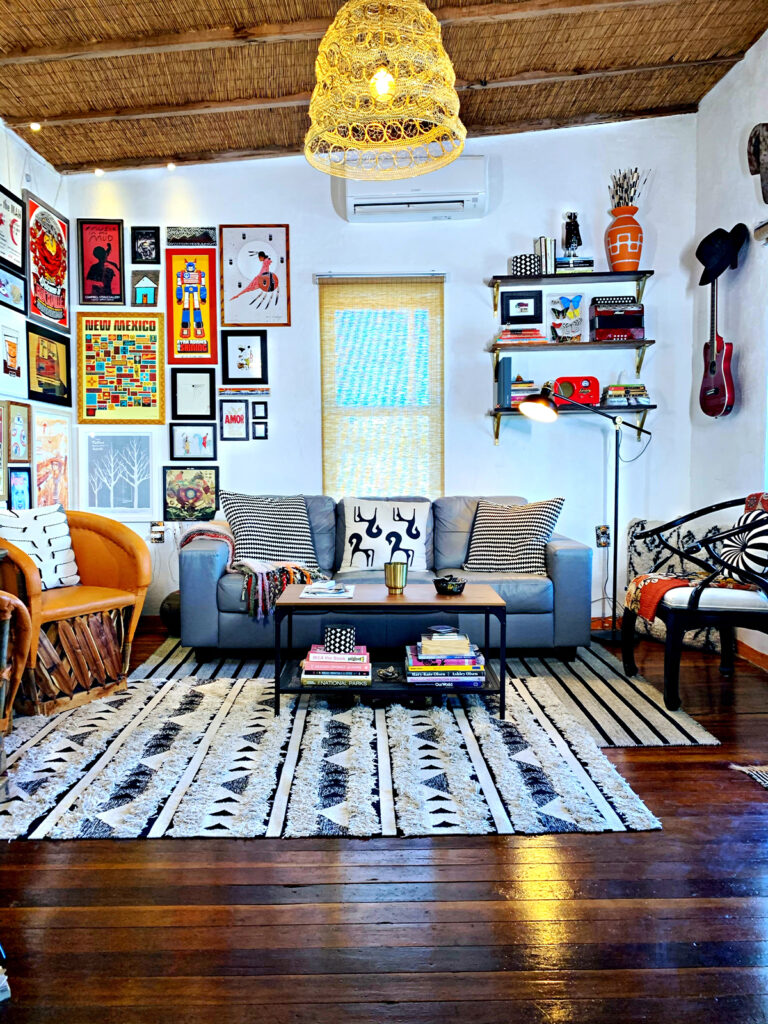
(449, 585)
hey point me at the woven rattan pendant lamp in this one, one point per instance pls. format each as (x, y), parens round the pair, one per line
(384, 105)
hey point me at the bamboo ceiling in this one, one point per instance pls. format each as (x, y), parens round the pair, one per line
(147, 82)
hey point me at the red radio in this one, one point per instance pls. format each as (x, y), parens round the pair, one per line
(584, 390)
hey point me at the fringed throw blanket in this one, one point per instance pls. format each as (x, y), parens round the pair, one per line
(263, 582)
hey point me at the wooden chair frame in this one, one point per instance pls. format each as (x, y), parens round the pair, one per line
(679, 620)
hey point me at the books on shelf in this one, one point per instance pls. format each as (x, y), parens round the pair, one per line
(574, 265)
(509, 336)
(443, 641)
(623, 395)
(544, 248)
(510, 390)
(327, 668)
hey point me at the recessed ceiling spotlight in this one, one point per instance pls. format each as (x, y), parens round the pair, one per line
(98, 172)
(35, 126)
(171, 166)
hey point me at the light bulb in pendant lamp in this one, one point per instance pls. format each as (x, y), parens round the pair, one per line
(385, 104)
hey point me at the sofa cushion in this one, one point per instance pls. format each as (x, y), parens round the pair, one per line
(522, 594)
(383, 530)
(454, 517)
(341, 527)
(512, 538)
(270, 529)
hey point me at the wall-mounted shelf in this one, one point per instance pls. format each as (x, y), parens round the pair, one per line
(499, 281)
(554, 346)
(573, 410)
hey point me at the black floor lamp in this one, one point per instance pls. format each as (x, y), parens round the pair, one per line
(543, 409)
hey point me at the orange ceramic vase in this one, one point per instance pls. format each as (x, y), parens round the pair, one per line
(624, 239)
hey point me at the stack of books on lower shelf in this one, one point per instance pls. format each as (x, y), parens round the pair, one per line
(444, 659)
(623, 395)
(326, 668)
(509, 336)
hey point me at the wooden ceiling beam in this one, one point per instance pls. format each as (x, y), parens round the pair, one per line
(297, 31)
(526, 78)
(473, 131)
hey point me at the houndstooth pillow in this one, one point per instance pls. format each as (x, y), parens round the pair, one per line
(512, 538)
(43, 534)
(270, 529)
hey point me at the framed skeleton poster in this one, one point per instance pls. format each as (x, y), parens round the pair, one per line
(255, 275)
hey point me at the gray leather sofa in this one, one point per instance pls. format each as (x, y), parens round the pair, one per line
(551, 611)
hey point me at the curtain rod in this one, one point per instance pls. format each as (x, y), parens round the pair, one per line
(329, 275)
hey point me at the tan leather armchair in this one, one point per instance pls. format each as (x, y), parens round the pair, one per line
(81, 635)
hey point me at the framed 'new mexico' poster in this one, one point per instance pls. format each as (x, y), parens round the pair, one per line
(48, 264)
(190, 290)
(120, 368)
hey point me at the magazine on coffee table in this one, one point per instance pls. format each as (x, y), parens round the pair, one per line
(328, 589)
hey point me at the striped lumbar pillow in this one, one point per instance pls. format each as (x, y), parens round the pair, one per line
(43, 534)
(512, 538)
(270, 529)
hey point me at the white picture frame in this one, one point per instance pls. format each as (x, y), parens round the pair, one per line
(13, 356)
(118, 474)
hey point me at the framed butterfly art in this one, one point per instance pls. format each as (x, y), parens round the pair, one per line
(566, 322)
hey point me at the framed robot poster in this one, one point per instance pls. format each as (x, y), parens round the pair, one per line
(255, 275)
(48, 265)
(190, 276)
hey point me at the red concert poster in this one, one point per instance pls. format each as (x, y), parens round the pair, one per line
(101, 272)
(48, 263)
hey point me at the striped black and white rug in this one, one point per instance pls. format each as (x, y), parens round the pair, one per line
(196, 750)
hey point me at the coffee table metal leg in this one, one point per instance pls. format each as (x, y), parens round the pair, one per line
(502, 664)
(278, 666)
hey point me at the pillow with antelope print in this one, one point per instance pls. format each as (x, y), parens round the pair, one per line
(378, 531)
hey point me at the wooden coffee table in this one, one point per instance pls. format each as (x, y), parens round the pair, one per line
(375, 599)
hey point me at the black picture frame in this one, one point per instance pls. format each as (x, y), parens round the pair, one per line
(171, 515)
(117, 254)
(152, 233)
(177, 373)
(14, 268)
(229, 339)
(259, 411)
(21, 471)
(48, 361)
(185, 425)
(7, 279)
(223, 403)
(509, 300)
(259, 430)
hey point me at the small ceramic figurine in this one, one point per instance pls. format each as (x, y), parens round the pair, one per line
(572, 234)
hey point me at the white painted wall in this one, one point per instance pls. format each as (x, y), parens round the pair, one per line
(536, 178)
(728, 456)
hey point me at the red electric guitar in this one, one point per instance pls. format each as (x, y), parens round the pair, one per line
(717, 393)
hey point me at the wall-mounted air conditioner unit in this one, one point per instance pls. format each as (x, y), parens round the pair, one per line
(456, 192)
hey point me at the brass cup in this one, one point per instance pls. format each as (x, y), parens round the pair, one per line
(395, 576)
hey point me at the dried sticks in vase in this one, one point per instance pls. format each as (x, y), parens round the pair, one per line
(627, 186)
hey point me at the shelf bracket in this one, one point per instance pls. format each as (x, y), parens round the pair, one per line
(639, 357)
(641, 423)
(496, 297)
(641, 282)
(496, 427)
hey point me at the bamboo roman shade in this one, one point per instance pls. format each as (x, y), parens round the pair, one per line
(382, 380)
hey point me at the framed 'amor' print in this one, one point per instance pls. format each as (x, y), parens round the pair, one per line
(121, 372)
(255, 275)
(48, 264)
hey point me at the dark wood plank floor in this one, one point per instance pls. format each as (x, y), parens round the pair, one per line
(669, 927)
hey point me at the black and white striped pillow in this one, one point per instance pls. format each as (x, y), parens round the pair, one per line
(270, 529)
(43, 534)
(512, 538)
(749, 549)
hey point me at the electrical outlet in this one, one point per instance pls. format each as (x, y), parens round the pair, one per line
(603, 536)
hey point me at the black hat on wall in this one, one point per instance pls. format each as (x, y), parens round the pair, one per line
(721, 249)
(757, 155)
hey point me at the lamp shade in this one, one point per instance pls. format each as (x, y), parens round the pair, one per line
(384, 105)
(540, 407)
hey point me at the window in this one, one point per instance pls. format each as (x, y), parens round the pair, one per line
(382, 382)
